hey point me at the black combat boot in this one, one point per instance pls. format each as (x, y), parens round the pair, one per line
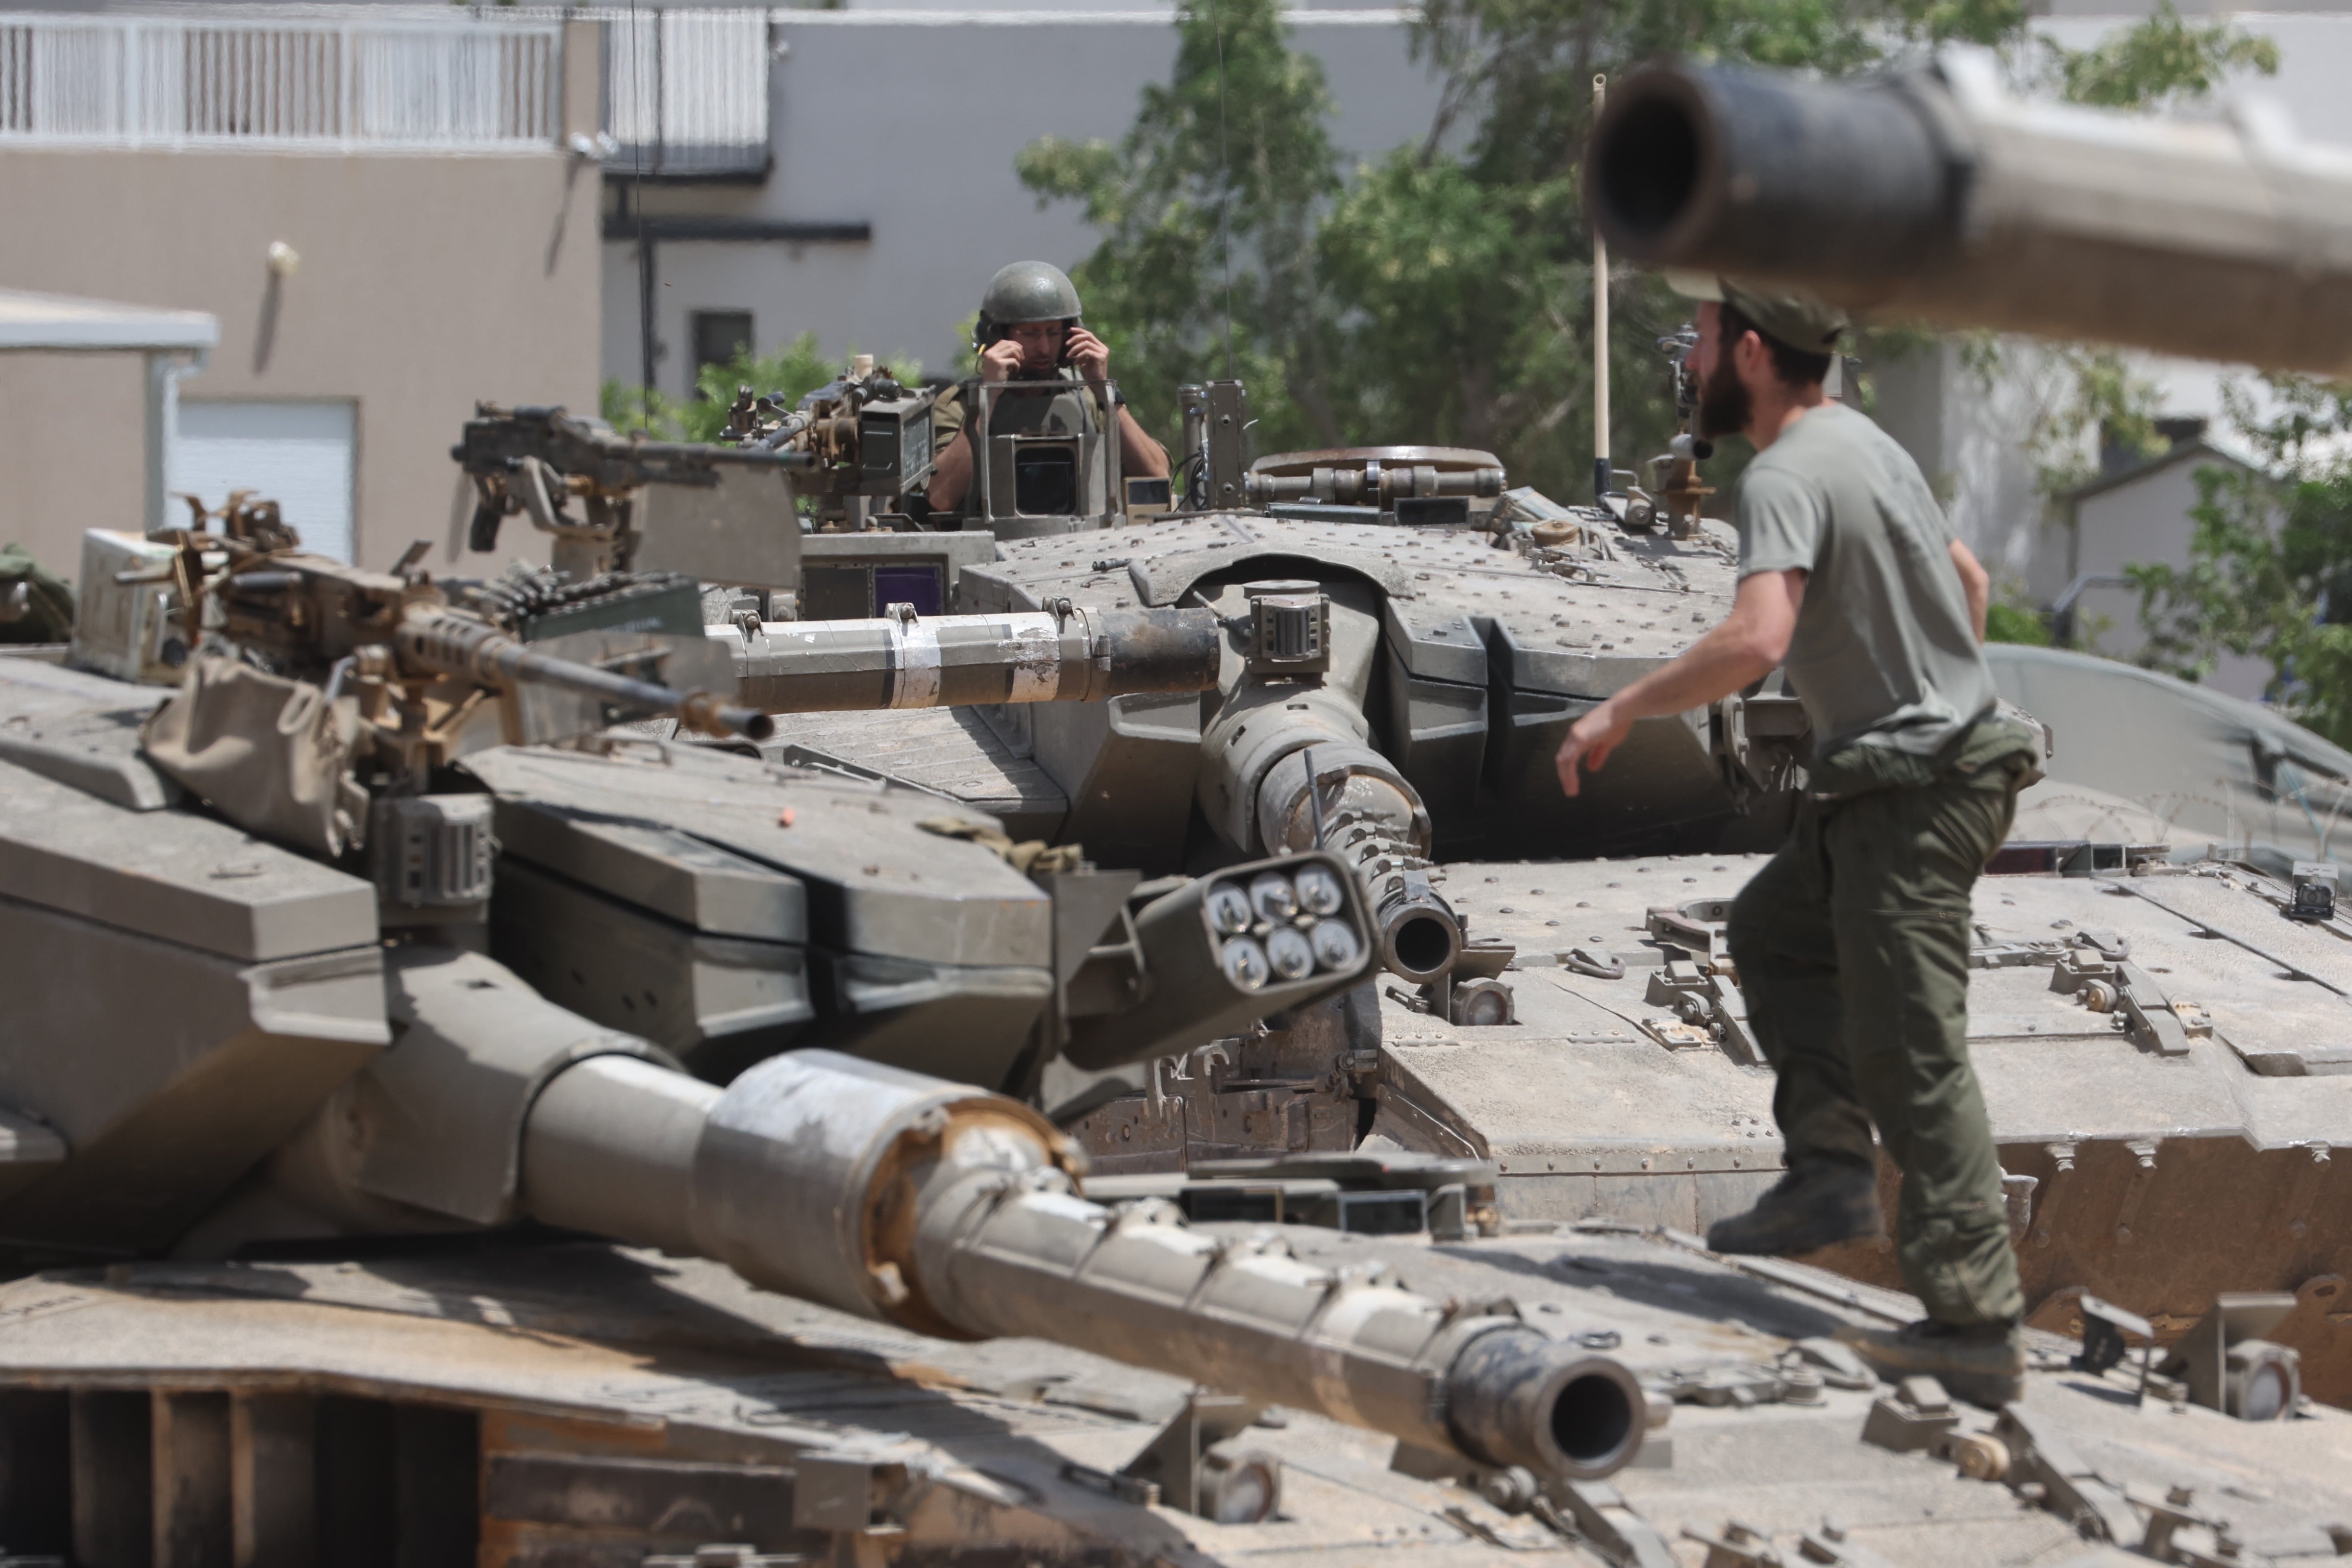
(1983, 1363)
(1818, 1204)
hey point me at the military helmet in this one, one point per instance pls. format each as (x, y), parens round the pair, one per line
(1024, 291)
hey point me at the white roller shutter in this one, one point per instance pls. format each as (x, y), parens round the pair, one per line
(298, 454)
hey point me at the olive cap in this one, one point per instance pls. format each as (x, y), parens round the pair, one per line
(1802, 321)
(1028, 291)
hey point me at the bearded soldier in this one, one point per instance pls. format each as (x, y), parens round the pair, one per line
(1851, 943)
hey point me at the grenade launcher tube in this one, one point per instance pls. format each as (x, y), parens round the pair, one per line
(952, 1211)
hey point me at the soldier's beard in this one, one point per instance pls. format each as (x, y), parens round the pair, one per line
(1724, 405)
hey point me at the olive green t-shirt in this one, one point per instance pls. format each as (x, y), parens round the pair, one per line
(1885, 651)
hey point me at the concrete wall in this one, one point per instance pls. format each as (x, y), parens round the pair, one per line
(2142, 520)
(910, 121)
(424, 285)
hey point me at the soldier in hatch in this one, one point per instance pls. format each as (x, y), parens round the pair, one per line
(1029, 330)
(1852, 941)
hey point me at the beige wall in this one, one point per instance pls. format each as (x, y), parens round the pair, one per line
(425, 283)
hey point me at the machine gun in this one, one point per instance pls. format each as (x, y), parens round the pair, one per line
(860, 438)
(534, 461)
(1935, 195)
(320, 692)
(394, 639)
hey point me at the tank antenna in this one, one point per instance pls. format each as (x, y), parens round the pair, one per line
(1600, 464)
(1224, 187)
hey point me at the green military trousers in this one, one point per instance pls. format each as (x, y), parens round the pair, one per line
(1852, 950)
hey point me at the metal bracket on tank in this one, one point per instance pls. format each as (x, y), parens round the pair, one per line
(1199, 1464)
(2107, 982)
(1696, 926)
(1593, 1515)
(1745, 1546)
(1759, 741)
(1471, 994)
(1708, 1010)
(1697, 984)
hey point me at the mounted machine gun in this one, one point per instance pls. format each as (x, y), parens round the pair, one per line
(534, 461)
(859, 439)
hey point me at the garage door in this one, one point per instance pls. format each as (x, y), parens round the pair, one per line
(298, 454)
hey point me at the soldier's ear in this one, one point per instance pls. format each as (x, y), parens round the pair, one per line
(1749, 356)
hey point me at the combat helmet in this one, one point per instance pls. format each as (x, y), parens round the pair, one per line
(1024, 291)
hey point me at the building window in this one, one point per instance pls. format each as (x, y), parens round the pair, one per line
(719, 337)
(298, 454)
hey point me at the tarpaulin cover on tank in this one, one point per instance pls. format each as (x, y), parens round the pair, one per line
(2232, 771)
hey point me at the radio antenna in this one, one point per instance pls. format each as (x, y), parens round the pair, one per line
(1225, 186)
(1604, 477)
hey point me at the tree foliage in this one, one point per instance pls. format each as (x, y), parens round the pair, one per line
(2270, 568)
(1208, 208)
(1443, 293)
(796, 369)
(2161, 61)
(2085, 395)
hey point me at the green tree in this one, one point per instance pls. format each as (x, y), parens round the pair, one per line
(2270, 568)
(1443, 293)
(2162, 61)
(1208, 209)
(2085, 395)
(2012, 617)
(791, 372)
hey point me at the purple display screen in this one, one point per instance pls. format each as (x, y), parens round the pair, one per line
(915, 585)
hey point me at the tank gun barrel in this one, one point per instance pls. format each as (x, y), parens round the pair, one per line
(1287, 764)
(906, 661)
(1937, 195)
(457, 645)
(953, 1212)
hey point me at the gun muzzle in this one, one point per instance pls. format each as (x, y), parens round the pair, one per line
(1289, 771)
(443, 643)
(953, 1212)
(908, 660)
(1937, 195)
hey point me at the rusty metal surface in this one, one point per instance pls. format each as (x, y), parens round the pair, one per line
(628, 1403)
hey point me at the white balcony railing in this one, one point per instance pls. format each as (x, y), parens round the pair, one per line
(240, 81)
(686, 92)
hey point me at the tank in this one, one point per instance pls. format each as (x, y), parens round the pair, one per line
(698, 1140)
(1935, 195)
(2157, 1027)
(355, 883)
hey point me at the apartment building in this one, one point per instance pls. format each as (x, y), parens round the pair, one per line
(390, 214)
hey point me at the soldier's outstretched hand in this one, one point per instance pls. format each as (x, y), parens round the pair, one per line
(1590, 741)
